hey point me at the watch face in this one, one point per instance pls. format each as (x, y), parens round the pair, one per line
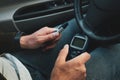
(78, 42)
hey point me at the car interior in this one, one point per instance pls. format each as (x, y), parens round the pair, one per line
(88, 26)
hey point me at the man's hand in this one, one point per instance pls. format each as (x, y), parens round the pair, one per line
(45, 37)
(73, 69)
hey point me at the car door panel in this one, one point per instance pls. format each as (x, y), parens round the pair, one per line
(10, 21)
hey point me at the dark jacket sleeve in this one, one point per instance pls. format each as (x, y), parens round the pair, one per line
(8, 42)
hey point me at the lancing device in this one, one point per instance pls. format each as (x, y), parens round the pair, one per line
(61, 27)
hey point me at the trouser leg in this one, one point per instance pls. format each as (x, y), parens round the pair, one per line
(104, 64)
(37, 62)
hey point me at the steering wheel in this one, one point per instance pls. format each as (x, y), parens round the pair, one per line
(86, 26)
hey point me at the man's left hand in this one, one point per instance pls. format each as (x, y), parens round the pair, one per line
(45, 38)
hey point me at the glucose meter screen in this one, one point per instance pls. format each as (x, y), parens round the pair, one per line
(78, 42)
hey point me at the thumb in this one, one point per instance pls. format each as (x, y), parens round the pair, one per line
(83, 58)
(63, 55)
(50, 36)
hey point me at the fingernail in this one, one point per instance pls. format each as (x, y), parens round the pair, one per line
(66, 46)
(55, 34)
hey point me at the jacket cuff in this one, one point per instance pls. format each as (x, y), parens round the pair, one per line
(17, 38)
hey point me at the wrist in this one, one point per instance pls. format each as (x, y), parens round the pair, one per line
(27, 42)
(24, 42)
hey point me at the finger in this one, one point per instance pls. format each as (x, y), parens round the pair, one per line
(57, 38)
(83, 58)
(46, 30)
(50, 37)
(49, 47)
(63, 54)
(51, 44)
(49, 30)
(53, 41)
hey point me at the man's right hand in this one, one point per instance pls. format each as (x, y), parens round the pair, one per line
(73, 69)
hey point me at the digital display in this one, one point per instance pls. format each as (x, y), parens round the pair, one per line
(78, 42)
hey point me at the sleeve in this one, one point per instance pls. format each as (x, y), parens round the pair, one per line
(10, 41)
